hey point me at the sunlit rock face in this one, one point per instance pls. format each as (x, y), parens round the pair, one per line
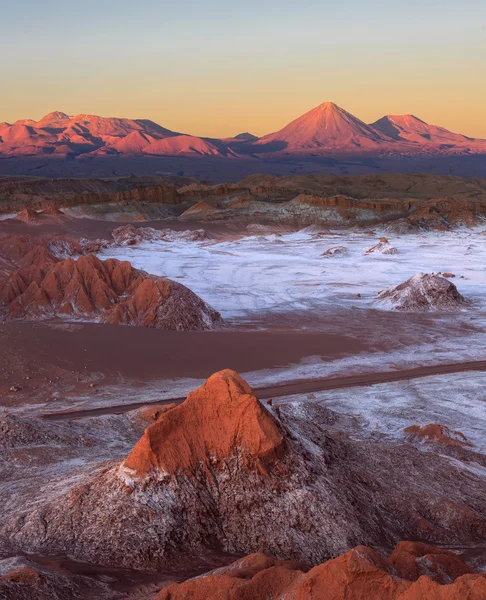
(111, 291)
(413, 571)
(223, 469)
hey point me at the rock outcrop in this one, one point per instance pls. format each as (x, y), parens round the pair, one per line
(23, 251)
(382, 247)
(335, 251)
(88, 289)
(437, 435)
(222, 470)
(424, 292)
(219, 419)
(129, 235)
(28, 214)
(413, 572)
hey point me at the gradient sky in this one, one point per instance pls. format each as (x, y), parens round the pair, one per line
(219, 67)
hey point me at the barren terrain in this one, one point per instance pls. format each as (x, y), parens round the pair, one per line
(358, 418)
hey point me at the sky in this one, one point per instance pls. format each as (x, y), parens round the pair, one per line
(218, 67)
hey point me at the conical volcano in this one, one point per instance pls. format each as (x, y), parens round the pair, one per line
(327, 128)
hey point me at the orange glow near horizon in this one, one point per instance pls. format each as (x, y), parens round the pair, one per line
(214, 70)
(212, 110)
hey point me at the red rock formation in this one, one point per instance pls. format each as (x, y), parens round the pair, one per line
(217, 419)
(436, 434)
(411, 560)
(27, 215)
(154, 412)
(103, 291)
(412, 572)
(25, 250)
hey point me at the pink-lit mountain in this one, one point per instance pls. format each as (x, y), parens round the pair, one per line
(325, 130)
(89, 135)
(326, 127)
(408, 128)
(329, 129)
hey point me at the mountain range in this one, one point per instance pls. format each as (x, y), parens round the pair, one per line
(326, 130)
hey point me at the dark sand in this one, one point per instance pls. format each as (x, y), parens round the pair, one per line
(140, 353)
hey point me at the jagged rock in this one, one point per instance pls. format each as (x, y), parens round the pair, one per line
(413, 572)
(184, 438)
(382, 247)
(335, 251)
(128, 235)
(103, 291)
(424, 292)
(16, 432)
(223, 470)
(25, 250)
(436, 434)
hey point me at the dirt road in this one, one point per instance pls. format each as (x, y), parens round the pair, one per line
(296, 387)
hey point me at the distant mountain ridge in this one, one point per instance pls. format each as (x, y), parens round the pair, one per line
(325, 130)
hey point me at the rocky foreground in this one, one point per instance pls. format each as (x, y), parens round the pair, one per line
(222, 470)
(413, 571)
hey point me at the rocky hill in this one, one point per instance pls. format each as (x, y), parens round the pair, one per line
(88, 289)
(221, 469)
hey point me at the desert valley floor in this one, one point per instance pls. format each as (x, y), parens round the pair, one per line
(391, 400)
